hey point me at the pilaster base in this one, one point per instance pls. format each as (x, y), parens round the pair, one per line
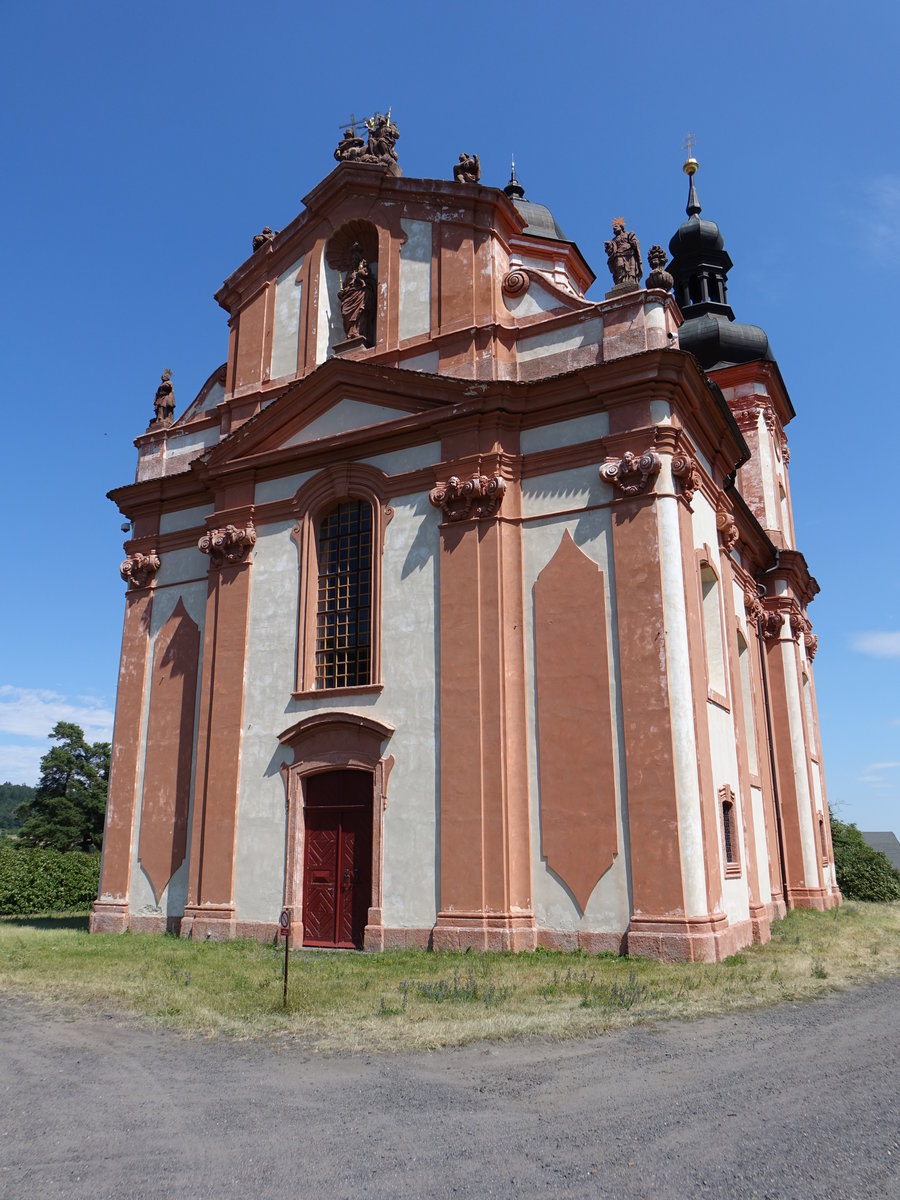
(484, 931)
(209, 922)
(759, 923)
(109, 916)
(802, 897)
(687, 939)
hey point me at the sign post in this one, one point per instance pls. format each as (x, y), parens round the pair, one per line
(284, 930)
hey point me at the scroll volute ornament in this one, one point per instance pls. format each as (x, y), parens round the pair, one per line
(728, 530)
(479, 496)
(631, 473)
(800, 624)
(229, 545)
(811, 642)
(772, 623)
(139, 570)
(753, 605)
(685, 469)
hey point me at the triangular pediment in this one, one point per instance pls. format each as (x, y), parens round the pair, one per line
(339, 401)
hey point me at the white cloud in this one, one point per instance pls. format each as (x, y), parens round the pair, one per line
(878, 644)
(21, 764)
(32, 713)
(883, 225)
(882, 766)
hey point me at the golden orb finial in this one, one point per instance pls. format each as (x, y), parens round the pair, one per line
(691, 166)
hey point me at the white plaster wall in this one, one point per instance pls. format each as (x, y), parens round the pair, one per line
(533, 302)
(801, 775)
(286, 328)
(428, 363)
(329, 326)
(345, 415)
(411, 459)
(561, 490)
(767, 472)
(184, 518)
(660, 412)
(703, 524)
(678, 672)
(408, 702)
(723, 753)
(608, 908)
(280, 489)
(762, 845)
(564, 433)
(415, 279)
(560, 340)
(174, 895)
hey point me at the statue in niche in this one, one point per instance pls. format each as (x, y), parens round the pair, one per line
(350, 147)
(624, 256)
(265, 235)
(383, 134)
(468, 169)
(164, 401)
(357, 298)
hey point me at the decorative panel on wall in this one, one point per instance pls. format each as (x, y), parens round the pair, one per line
(170, 739)
(574, 721)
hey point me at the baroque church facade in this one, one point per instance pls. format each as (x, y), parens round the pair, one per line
(463, 610)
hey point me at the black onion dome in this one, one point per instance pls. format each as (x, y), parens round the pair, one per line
(539, 220)
(700, 265)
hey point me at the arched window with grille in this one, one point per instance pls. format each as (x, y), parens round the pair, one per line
(344, 608)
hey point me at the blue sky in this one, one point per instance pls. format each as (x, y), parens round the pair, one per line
(144, 145)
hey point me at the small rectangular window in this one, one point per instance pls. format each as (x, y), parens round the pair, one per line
(729, 832)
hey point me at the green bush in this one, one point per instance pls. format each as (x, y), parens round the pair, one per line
(36, 880)
(862, 873)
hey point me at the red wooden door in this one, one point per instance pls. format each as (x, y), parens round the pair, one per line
(337, 875)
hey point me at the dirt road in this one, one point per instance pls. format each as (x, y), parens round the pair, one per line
(800, 1101)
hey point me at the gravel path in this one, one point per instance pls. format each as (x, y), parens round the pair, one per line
(799, 1101)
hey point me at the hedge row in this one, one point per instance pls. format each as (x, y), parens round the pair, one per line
(862, 873)
(33, 880)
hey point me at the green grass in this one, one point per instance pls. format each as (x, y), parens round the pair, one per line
(409, 999)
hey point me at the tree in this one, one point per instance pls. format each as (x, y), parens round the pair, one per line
(69, 804)
(12, 795)
(862, 872)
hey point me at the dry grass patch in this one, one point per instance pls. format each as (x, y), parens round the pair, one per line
(407, 1000)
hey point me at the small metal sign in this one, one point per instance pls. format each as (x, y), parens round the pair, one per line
(284, 922)
(284, 930)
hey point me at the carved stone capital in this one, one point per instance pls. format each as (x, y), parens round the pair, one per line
(728, 530)
(785, 450)
(799, 624)
(811, 642)
(686, 470)
(752, 604)
(630, 474)
(479, 496)
(772, 622)
(139, 570)
(746, 415)
(228, 545)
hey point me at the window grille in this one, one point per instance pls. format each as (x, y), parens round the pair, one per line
(344, 618)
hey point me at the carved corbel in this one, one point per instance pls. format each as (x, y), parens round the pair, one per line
(811, 642)
(799, 624)
(479, 496)
(139, 570)
(630, 474)
(685, 469)
(728, 530)
(785, 450)
(752, 604)
(746, 416)
(772, 622)
(769, 417)
(228, 545)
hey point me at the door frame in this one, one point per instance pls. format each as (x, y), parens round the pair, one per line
(334, 742)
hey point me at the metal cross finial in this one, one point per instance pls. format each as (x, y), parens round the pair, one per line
(688, 144)
(354, 123)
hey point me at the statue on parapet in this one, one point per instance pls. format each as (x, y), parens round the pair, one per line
(265, 235)
(357, 299)
(350, 147)
(164, 401)
(623, 255)
(468, 169)
(381, 146)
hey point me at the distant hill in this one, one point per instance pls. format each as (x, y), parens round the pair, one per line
(11, 796)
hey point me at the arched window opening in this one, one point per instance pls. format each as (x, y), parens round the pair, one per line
(729, 831)
(344, 613)
(712, 627)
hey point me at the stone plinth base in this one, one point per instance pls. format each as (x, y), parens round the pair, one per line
(621, 289)
(801, 897)
(354, 343)
(483, 931)
(109, 916)
(209, 922)
(680, 939)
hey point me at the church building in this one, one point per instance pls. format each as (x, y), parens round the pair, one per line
(463, 610)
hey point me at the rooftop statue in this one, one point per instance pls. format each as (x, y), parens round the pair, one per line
(383, 134)
(468, 169)
(357, 299)
(164, 401)
(624, 257)
(265, 235)
(350, 147)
